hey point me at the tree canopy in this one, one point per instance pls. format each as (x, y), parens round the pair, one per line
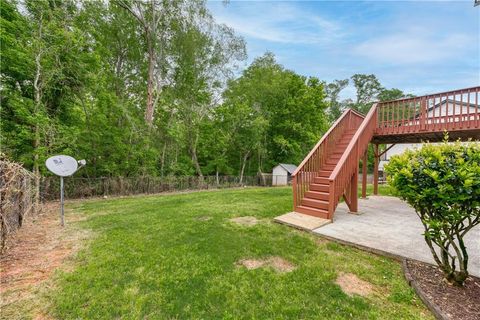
(154, 88)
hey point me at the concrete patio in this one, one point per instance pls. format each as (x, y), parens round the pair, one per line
(390, 226)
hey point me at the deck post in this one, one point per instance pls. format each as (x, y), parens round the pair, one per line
(364, 174)
(354, 192)
(375, 169)
(295, 191)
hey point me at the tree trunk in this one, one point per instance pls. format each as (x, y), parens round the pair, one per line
(198, 169)
(162, 163)
(244, 161)
(36, 129)
(192, 146)
(150, 105)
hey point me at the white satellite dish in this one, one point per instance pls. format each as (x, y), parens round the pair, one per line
(61, 165)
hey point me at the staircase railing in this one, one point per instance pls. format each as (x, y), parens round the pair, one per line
(347, 166)
(306, 172)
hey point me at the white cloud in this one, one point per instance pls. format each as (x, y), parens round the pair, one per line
(280, 23)
(414, 46)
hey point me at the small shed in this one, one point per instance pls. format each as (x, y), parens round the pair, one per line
(282, 174)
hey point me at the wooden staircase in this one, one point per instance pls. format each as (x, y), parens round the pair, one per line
(320, 180)
(330, 171)
(315, 201)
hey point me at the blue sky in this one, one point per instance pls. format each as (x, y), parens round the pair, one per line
(417, 46)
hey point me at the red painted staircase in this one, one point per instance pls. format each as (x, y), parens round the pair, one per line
(330, 170)
(315, 201)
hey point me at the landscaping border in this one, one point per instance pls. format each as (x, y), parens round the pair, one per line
(413, 283)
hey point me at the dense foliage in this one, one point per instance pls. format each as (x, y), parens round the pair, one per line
(442, 183)
(148, 88)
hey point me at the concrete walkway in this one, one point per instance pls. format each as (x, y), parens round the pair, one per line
(389, 225)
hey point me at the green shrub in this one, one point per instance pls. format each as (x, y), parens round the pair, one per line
(442, 184)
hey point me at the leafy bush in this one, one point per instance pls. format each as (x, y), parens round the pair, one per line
(442, 183)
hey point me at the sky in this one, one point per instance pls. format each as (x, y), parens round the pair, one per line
(419, 47)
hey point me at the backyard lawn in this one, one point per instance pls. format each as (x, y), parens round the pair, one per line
(176, 257)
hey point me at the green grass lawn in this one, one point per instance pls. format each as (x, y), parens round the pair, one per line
(153, 258)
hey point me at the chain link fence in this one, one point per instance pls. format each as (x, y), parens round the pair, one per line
(76, 188)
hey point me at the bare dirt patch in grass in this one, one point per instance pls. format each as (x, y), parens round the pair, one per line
(245, 221)
(204, 218)
(36, 250)
(277, 263)
(351, 285)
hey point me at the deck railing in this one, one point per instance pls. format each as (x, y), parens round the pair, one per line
(306, 172)
(453, 110)
(340, 178)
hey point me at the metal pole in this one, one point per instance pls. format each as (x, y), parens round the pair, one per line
(62, 220)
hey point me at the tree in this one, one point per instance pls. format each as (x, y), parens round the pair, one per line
(204, 55)
(292, 106)
(392, 94)
(368, 87)
(442, 184)
(244, 127)
(333, 90)
(37, 110)
(150, 15)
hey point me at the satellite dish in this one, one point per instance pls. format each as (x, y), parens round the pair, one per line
(61, 165)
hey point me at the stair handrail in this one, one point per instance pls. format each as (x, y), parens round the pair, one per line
(299, 191)
(346, 166)
(322, 139)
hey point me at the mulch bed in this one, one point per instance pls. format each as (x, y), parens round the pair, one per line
(446, 300)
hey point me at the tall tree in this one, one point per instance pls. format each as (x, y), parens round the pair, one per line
(293, 107)
(203, 57)
(392, 94)
(368, 87)
(154, 18)
(333, 90)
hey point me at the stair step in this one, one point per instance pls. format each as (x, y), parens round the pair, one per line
(325, 173)
(312, 211)
(328, 167)
(321, 180)
(346, 138)
(319, 187)
(318, 204)
(317, 195)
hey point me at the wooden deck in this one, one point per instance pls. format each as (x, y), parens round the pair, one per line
(429, 117)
